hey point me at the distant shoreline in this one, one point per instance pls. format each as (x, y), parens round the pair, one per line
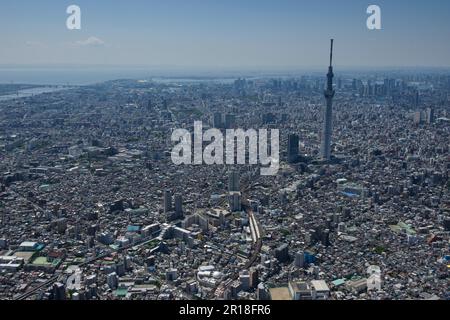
(87, 75)
(31, 91)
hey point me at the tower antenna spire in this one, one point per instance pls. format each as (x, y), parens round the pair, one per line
(331, 53)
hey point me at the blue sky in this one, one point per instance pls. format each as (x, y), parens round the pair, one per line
(225, 33)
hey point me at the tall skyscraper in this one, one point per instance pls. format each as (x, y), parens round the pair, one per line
(179, 205)
(300, 259)
(293, 148)
(230, 121)
(235, 201)
(430, 115)
(233, 181)
(167, 201)
(234, 196)
(328, 111)
(217, 120)
(416, 99)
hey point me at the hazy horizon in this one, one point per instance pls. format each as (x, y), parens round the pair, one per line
(85, 75)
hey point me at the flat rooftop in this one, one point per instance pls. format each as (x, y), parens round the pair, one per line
(280, 294)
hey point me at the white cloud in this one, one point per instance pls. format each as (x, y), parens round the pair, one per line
(90, 42)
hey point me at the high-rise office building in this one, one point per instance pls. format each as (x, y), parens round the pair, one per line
(300, 259)
(254, 277)
(217, 120)
(416, 99)
(112, 280)
(234, 197)
(178, 205)
(230, 121)
(328, 111)
(418, 117)
(167, 201)
(262, 292)
(234, 201)
(268, 118)
(430, 115)
(59, 291)
(293, 148)
(282, 253)
(173, 206)
(233, 181)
